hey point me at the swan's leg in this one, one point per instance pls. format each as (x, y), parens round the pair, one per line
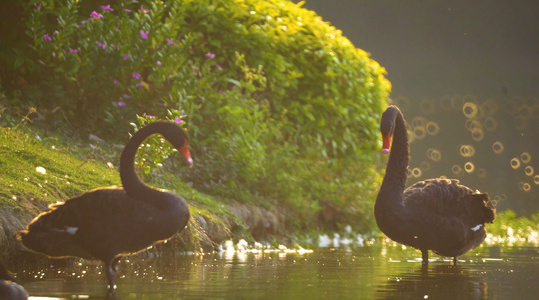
(455, 261)
(110, 267)
(115, 264)
(425, 256)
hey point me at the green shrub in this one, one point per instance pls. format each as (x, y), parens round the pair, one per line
(278, 104)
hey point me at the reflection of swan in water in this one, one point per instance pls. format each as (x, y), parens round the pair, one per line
(435, 282)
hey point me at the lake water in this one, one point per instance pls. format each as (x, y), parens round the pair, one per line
(376, 271)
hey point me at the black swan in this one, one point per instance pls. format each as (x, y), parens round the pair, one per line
(435, 214)
(9, 287)
(108, 223)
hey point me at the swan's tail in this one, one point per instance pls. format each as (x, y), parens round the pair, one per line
(55, 242)
(482, 209)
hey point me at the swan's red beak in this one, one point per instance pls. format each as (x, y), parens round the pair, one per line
(186, 154)
(386, 142)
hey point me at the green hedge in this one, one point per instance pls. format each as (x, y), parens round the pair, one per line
(279, 105)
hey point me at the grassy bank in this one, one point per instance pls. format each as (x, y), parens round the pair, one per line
(40, 168)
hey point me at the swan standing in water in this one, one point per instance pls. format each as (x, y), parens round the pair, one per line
(435, 214)
(108, 223)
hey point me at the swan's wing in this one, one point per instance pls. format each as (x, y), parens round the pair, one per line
(446, 197)
(436, 195)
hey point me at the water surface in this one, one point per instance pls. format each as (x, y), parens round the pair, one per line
(370, 272)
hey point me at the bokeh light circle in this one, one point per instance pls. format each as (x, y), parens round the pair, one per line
(469, 167)
(490, 124)
(478, 135)
(432, 128)
(497, 147)
(481, 173)
(416, 172)
(467, 150)
(525, 157)
(457, 170)
(528, 170)
(515, 163)
(434, 154)
(470, 110)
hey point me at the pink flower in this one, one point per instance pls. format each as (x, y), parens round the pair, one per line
(120, 103)
(178, 121)
(101, 45)
(144, 34)
(107, 7)
(126, 57)
(158, 63)
(210, 55)
(127, 96)
(37, 6)
(136, 75)
(95, 14)
(150, 116)
(170, 42)
(127, 10)
(144, 10)
(115, 81)
(47, 37)
(73, 50)
(219, 67)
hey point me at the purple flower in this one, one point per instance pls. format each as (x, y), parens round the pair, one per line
(144, 10)
(115, 81)
(194, 67)
(73, 50)
(126, 96)
(95, 14)
(170, 42)
(120, 103)
(150, 116)
(136, 75)
(219, 67)
(143, 84)
(178, 121)
(107, 7)
(101, 45)
(210, 55)
(47, 37)
(127, 10)
(158, 63)
(83, 22)
(37, 6)
(126, 57)
(144, 34)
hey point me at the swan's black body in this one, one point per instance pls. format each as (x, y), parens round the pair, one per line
(108, 223)
(9, 287)
(436, 214)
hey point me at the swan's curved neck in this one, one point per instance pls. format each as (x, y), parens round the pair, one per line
(395, 177)
(130, 181)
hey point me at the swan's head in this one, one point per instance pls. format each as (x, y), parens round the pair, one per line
(179, 139)
(184, 150)
(387, 127)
